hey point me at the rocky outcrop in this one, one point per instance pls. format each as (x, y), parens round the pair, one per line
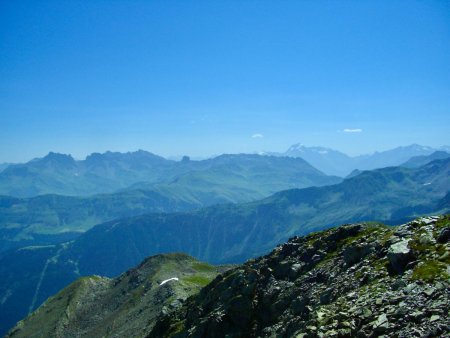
(352, 281)
(126, 306)
(399, 254)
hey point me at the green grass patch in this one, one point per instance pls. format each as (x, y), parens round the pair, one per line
(203, 267)
(443, 222)
(176, 328)
(197, 280)
(381, 265)
(430, 270)
(372, 228)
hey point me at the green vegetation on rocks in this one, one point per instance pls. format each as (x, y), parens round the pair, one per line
(336, 283)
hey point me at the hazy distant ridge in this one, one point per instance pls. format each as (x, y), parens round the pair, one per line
(333, 162)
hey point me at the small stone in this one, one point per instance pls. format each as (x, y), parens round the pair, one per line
(417, 315)
(398, 284)
(381, 324)
(401, 311)
(320, 315)
(410, 287)
(331, 334)
(403, 231)
(427, 220)
(429, 292)
(352, 295)
(346, 324)
(434, 318)
(367, 313)
(439, 286)
(354, 253)
(344, 332)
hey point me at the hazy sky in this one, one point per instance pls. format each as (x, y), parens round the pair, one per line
(207, 77)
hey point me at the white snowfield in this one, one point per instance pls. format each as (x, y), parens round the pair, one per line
(168, 280)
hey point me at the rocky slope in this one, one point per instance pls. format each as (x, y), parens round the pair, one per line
(125, 306)
(359, 280)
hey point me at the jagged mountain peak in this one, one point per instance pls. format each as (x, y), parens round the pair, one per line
(54, 155)
(142, 154)
(52, 161)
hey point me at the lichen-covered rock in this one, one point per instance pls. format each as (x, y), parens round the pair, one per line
(399, 255)
(354, 253)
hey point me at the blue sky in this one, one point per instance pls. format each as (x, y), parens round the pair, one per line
(203, 77)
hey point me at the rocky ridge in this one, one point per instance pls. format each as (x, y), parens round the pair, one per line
(358, 280)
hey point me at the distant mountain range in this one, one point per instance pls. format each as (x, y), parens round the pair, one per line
(413, 162)
(110, 172)
(220, 234)
(98, 173)
(417, 161)
(333, 162)
(49, 219)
